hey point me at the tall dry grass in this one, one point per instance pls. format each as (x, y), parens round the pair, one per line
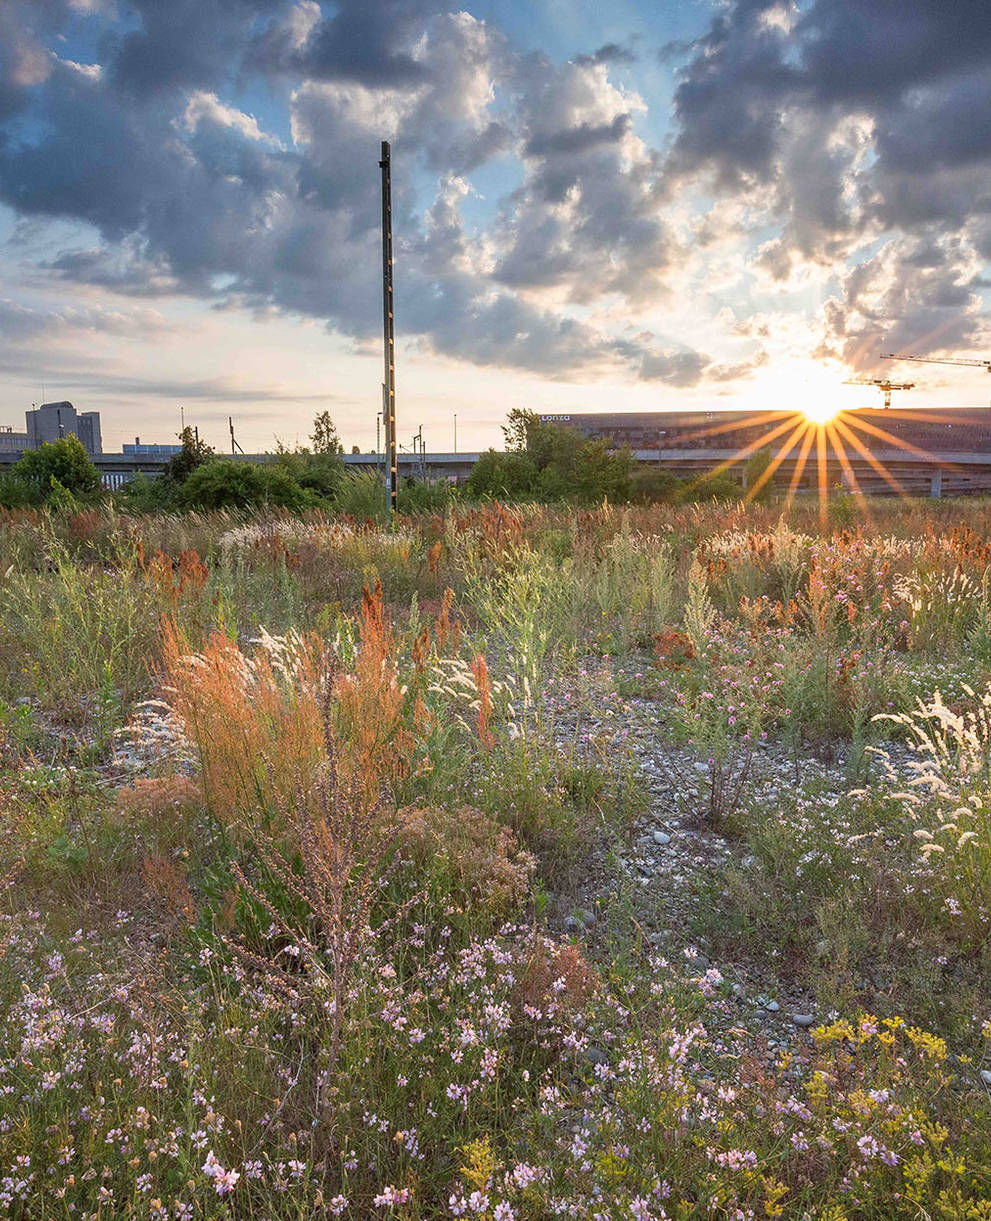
(260, 720)
(255, 721)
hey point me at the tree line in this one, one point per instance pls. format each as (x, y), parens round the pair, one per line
(542, 462)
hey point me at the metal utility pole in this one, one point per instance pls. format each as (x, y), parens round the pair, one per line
(235, 444)
(418, 449)
(389, 336)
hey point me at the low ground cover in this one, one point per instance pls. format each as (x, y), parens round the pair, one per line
(516, 864)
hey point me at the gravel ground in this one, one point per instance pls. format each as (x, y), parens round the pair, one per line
(674, 861)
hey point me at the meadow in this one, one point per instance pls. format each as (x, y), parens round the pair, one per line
(518, 863)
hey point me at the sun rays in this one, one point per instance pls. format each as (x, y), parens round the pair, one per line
(808, 445)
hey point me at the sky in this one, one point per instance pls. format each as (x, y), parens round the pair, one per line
(633, 205)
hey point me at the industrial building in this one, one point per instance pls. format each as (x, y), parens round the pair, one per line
(12, 442)
(51, 421)
(149, 449)
(963, 431)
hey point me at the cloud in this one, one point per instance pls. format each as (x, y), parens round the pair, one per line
(608, 53)
(915, 295)
(372, 42)
(20, 322)
(191, 194)
(182, 44)
(817, 141)
(674, 368)
(578, 139)
(586, 221)
(847, 123)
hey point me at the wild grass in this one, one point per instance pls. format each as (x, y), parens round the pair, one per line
(285, 802)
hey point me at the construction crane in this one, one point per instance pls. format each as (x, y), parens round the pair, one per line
(883, 384)
(940, 360)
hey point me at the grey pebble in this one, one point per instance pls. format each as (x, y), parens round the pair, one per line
(662, 838)
(803, 1019)
(772, 1006)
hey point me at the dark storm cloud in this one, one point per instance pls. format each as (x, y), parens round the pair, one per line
(725, 103)
(926, 62)
(183, 43)
(586, 220)
(802, 115)
(872, 50)
(921, 72)
(369, 41)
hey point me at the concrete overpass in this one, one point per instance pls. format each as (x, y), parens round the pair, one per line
(943, 473)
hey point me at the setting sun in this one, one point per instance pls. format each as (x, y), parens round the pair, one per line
(821, 413)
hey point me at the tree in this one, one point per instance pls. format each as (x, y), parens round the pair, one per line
(510, 476)
(194, 453)
(224, 484)
(546, 462)
(62, 463)
(520, 427)
(321, 473)
(655, 485)
(602, 473)
(324, 438)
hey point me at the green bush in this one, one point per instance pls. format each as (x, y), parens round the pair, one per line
(548, 463)
(655, 485)
(361, 495)
(225, 484)
(54, 468)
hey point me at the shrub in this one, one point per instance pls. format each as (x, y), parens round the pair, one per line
(89, 652)
(467, 858)
(947, 800)
(224, 484)
(61, 464)
(343, 838)
(256, 721)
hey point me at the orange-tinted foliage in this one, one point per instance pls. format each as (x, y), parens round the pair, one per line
(174, 579)
(373, 739)
(480, 672)
(166, 880)
(256, 722)
(556, 973)
(672, 648)
(260, 721)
